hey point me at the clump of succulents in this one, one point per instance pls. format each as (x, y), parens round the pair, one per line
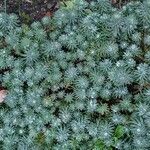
(78, 80)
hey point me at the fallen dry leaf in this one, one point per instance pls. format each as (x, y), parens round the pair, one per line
(2, 95)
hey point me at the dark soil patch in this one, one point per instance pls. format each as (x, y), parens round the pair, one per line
(33, 10)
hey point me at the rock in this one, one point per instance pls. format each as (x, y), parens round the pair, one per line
(2, 95)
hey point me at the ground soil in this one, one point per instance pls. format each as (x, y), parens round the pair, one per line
(29, 10)
(33, 10)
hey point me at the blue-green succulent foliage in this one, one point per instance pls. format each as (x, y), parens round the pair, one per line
(78, 80)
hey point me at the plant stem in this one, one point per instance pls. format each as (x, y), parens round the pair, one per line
(5, 6)
(120, 2)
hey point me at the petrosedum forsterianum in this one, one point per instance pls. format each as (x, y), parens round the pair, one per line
(79, 80)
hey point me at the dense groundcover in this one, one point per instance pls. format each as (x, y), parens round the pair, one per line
(77, 81)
